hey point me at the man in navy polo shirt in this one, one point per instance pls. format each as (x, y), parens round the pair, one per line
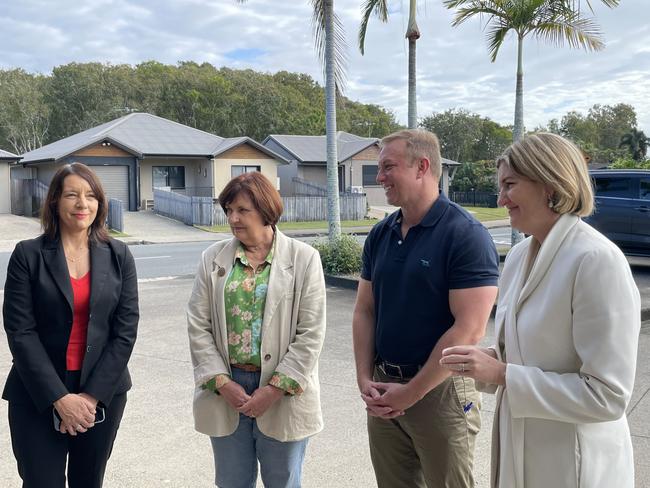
(428, 282)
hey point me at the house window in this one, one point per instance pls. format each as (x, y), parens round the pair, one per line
(171, 176)
(369, 175)
(240, 170)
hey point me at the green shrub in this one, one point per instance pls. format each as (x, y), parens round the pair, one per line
(342, 257)
(629, 163)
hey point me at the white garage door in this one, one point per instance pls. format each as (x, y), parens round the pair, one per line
(115, 180)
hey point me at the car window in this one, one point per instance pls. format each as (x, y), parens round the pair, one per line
(613, 186)
(644, 188)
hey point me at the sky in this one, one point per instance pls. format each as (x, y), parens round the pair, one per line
(454, 69)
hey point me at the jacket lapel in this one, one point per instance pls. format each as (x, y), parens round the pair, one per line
(221, 268)
(54, 259)
(280, 277)
(100, 262)
(546, 254)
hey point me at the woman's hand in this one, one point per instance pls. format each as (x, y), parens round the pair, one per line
(234, 394)
(77, 413)
(479, 363)
(261, 400)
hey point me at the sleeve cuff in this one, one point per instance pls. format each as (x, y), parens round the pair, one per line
(216, 382)
(282, 381)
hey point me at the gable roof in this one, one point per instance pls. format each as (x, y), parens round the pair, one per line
(313, 149)
(6, 155)
(143, 134)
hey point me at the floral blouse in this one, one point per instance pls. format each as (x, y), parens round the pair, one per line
(245, 298)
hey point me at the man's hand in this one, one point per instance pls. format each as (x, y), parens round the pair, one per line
(386, 400)
(234, 394)
(77, 414)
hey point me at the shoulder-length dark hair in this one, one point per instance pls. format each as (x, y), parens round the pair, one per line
(259, 189)
(50, 210)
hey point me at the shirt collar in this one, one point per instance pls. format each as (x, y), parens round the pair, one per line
(241, 255)
(430, 218)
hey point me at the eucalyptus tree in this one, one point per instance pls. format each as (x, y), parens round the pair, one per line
(330, 44)
(554, 21)
(380, 9)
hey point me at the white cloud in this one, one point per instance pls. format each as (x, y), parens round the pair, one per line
(454, 69)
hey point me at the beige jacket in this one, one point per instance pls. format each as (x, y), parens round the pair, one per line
(293, 330)
(571, 333)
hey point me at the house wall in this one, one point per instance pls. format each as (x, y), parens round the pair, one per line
(354, 175)
(243, 155)
(5, 188)
(103, 151)
(317, 174)
(198, 175)
(286, 172)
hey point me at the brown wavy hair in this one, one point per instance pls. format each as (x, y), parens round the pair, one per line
(259, 189)
(50, 210)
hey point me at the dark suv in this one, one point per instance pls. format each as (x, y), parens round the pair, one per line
(622, 210)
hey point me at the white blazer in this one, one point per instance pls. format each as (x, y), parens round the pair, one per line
(293, 330)
(569, 333)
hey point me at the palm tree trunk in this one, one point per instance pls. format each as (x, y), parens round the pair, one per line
(518, 131)
(333, 209)
(412, 34)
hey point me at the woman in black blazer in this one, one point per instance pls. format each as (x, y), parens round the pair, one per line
(71, 315)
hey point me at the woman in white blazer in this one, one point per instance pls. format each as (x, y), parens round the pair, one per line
(567, 327)
(256, 324)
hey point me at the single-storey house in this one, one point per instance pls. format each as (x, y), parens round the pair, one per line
(6, 158)
(138, 152)
(357, 163)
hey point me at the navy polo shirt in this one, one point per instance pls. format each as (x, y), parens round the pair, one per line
(411, 278)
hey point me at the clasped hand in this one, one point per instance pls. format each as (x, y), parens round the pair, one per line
(253, 405)
(386, 400)
(77, 412)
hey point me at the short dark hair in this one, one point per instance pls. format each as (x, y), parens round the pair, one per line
(259, 189)
(50, 210)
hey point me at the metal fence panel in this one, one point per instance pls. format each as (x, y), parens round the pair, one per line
(474, 198)
(115, 218)
(202, 213)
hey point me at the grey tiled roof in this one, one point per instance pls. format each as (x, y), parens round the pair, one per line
(313, 149)
(8, 155)
(138, 133)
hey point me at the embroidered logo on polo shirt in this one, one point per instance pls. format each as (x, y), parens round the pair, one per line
(425, 263)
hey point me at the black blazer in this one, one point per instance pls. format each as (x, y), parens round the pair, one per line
(37, 314)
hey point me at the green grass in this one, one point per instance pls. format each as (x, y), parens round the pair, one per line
(116, 233)
(482, 214)
(317, 225)
(486, 214)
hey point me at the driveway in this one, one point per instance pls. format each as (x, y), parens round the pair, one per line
(14, 228)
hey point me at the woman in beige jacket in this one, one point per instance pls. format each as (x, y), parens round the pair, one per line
(567, 328)
(256, 323)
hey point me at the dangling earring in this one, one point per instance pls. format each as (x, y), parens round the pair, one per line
(550, 202)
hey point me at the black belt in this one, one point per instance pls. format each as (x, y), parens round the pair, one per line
(401, 371)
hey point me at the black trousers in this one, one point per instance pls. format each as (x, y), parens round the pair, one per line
(42, 452)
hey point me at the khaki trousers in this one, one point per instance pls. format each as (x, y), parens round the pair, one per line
(432, 444)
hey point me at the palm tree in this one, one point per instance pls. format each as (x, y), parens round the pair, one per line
(556, 21)
(380, 9)
(637, 143)
(330, 44)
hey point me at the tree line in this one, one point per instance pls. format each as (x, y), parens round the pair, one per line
(37, 109)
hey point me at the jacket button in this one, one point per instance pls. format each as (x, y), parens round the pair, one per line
(267, 357)
(88, 348)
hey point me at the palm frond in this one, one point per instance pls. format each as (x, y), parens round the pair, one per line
(380, 9)
(496, 35)
(338, 39)
(578, 32)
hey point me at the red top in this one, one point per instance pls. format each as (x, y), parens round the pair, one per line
(77, 343)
